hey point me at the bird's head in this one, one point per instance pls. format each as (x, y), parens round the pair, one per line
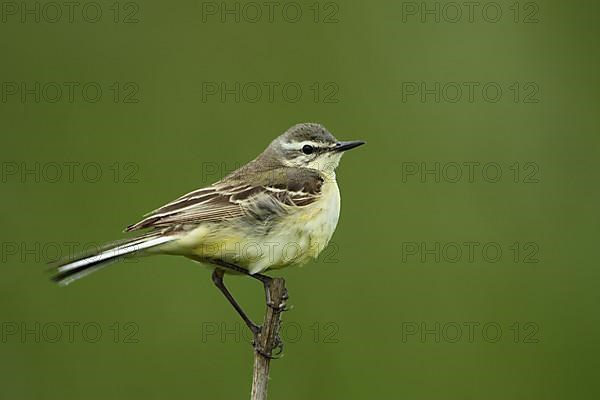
(310, 145)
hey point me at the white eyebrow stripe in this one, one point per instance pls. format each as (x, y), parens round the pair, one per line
(299, 145)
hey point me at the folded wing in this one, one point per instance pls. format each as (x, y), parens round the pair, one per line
(270, 194)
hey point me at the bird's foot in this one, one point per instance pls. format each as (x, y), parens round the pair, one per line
(275, 354)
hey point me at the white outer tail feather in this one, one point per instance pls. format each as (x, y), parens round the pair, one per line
(103, 258)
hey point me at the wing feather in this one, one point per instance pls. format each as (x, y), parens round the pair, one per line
(228, 200)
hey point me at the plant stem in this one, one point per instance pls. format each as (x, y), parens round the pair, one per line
(267, 340)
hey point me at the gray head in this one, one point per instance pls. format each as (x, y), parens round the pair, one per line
(309, 145)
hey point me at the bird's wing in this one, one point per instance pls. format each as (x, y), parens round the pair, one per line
(270, 194)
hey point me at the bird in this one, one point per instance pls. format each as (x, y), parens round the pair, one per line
(278, 210)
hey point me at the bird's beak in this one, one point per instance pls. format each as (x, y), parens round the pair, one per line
(343, 146)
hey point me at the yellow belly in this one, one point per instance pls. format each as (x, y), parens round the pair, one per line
(297, 238)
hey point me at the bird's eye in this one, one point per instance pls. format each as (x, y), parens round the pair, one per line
(307, 149)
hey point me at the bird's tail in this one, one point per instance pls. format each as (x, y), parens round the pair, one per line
(77, 267)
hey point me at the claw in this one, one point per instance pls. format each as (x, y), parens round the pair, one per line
(278, 349)
(265, 354)
(287, 308)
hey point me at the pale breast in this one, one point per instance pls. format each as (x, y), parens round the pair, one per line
(326, 214)
(305, 233)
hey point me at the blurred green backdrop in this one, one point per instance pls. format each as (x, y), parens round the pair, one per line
(109, 110)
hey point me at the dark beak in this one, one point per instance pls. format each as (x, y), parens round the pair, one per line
(343, 146)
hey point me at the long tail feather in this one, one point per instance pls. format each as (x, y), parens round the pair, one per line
(73, 269)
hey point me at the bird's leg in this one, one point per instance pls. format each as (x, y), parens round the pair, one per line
(217, 278)
(264, 279)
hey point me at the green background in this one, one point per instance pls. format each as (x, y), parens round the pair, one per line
(348, 335)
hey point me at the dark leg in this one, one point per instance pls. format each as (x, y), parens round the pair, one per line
(263, 278)
(266, 280)
(217, 278)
